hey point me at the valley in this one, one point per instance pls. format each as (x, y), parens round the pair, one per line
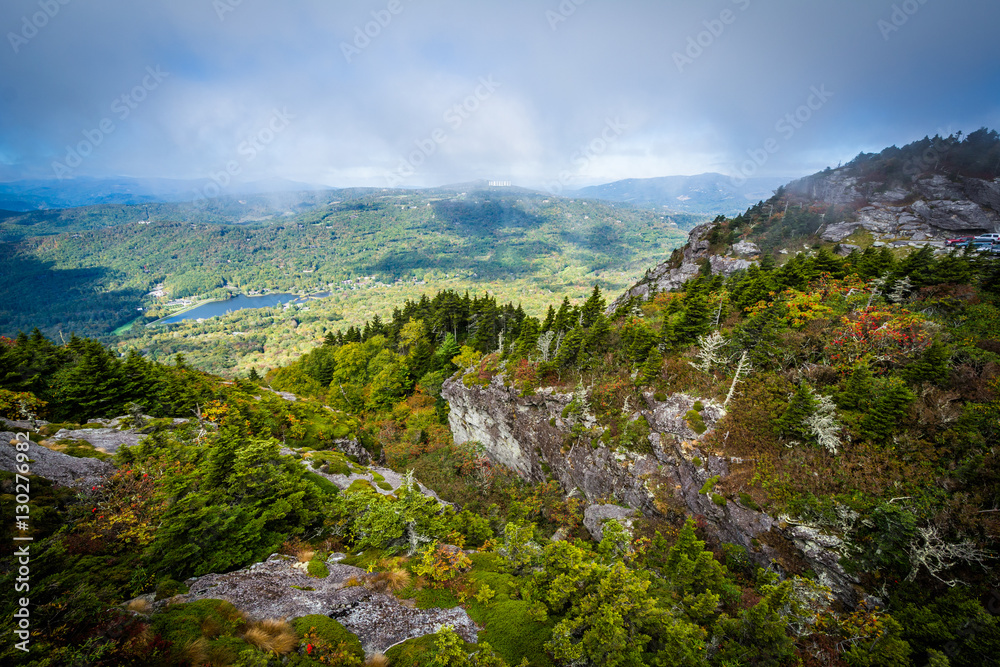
(517, 432)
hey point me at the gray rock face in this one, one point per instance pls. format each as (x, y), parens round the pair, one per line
(55, 466)
(746, 248)
(280, 588)
(529, 434)
(595, 516)
(665, 276)
(108, 440)
(931, 208)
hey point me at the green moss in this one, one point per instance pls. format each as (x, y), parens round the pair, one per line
(323, 483)
(183, 623)
(636, 437)
(659, 396)
(167, 588)
(698, 406)
(697, 461)
(509, 628)
(385, 486)
(377, 477)
(427, 598)
(485, 562)
(360, 485)
(552, 421)
(329, 630)
(709, 484)
(416, 652)
(317, 568)
(719, 500)
(336, 462)
(748, 501)
(341, 431)
(694, 420)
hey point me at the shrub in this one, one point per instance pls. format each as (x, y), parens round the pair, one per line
(709, 484)
(329, 638)
(167, 588)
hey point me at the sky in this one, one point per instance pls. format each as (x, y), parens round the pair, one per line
(552, 94)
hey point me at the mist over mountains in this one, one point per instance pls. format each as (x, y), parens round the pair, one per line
(711, 193)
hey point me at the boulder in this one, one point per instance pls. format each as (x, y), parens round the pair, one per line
(595, 516)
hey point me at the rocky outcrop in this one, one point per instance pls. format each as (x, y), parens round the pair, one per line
(595, 516)
(671, 275)
(931, 208)
(107, 440)
(670, 473)
(278, 588)
(60, 468)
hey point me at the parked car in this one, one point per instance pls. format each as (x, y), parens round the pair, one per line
(981, 246)
(959, 240)
(987, 238)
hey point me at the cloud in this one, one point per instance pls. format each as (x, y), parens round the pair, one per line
(698, 85)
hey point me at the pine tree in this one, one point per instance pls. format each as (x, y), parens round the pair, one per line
(593, 307)
(884, 417)
(652, 367)
(931, 366)
(802, 405)
(598, 336)
(569, 352)
(858, 390)
(696, 319)
(550, 319)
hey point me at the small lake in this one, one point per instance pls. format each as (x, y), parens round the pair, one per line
(240, 302)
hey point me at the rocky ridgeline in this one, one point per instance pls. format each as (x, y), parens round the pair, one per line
(535, 436)
(668, 275)
(931, 209)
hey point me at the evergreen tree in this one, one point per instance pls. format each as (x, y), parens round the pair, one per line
(884, 417)
(696, 320)
(593, 307)
(932, 365)
(802, 405)
(92, 387)
(598, 336)
(571, 348)
(550, 319)
(858, 390)
(652, 367)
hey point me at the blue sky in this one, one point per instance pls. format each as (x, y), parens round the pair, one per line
(541, 92)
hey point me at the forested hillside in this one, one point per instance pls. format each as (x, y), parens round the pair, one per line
(91, 278)
(788, 459)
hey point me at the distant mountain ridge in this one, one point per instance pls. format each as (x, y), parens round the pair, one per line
(46, 194)
(709, 194)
